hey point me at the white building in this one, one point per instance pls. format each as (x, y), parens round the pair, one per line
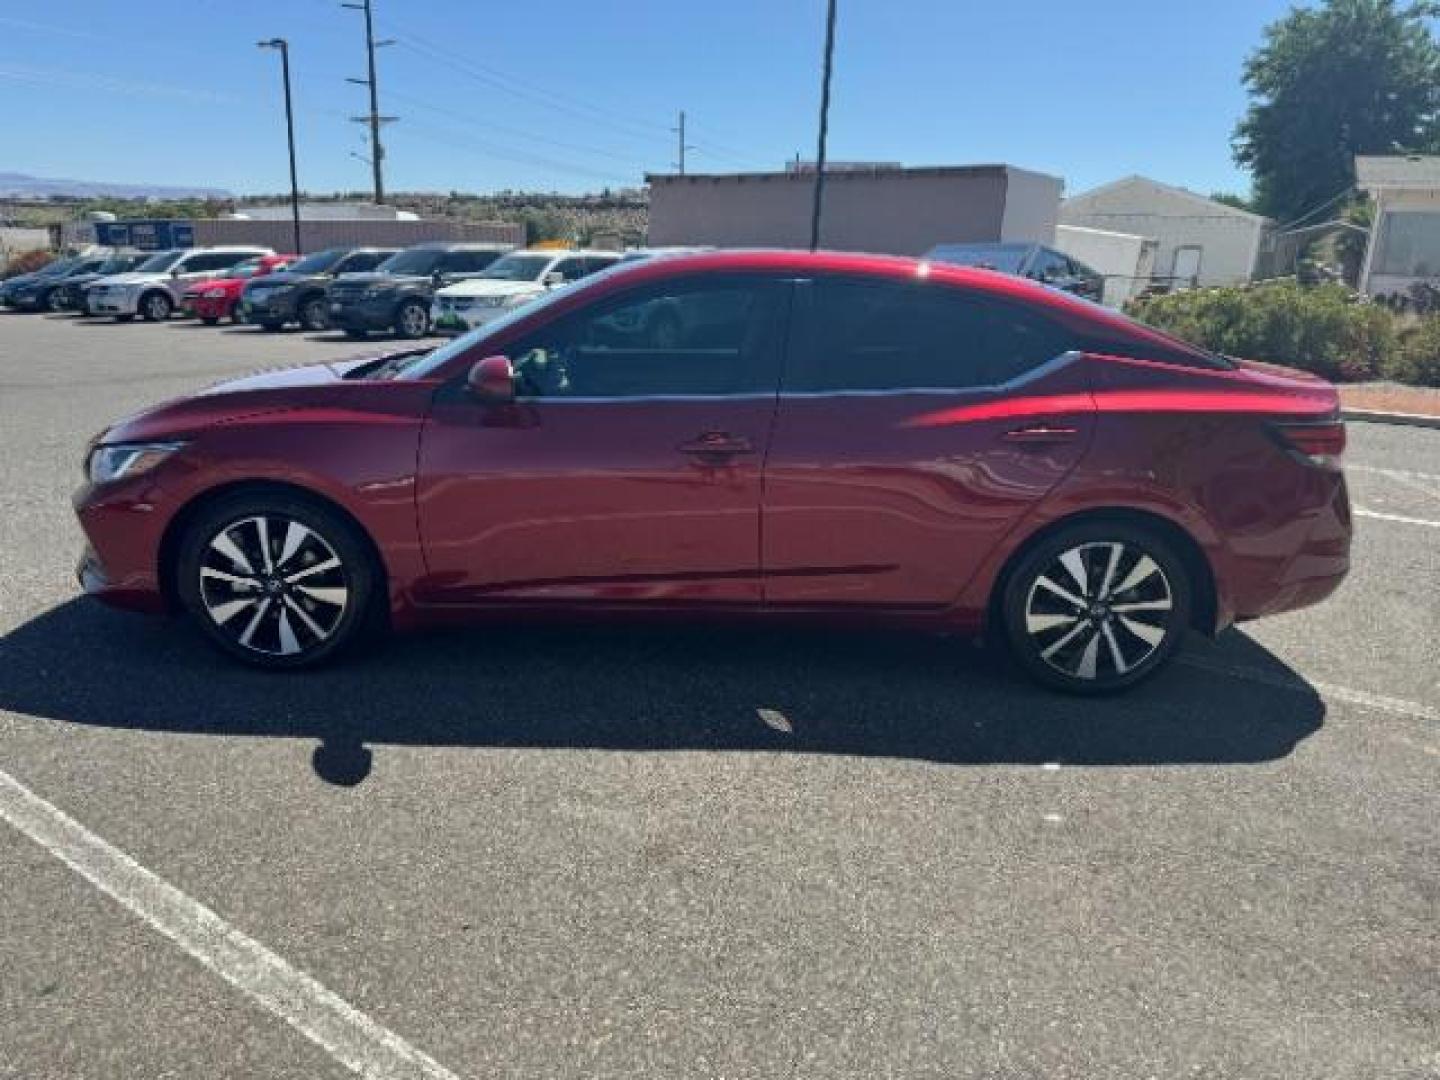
(1404, 246)
(1124, 260)
(1198, 241)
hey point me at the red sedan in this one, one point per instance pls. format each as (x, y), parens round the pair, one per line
(211, 301)
(765, 434)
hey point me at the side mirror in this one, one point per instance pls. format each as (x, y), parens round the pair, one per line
(492, 380)
(552, 279)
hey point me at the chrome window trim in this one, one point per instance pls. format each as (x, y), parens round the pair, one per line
(1050, 367)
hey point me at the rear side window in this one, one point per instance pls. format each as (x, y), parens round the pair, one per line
(215, 260)
(362, 261)
(468, 262)
(896, 336)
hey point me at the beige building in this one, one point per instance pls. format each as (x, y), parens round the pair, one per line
(1198, 241)
(886, 209)
(1404, 247)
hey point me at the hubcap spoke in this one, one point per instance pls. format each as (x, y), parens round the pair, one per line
(1143, 605)
(1074, 561)
(1086, 670)
(1151, 635)
(1138, 573)
(327, 595)
(1038, 624)
(1064, 594)
(318, 568)
(255, 622)
(227, 547)
(295, 535)
(1116, 550)
(1115, 654)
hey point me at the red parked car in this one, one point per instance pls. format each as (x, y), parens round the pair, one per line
(211, 301)
(761, 433)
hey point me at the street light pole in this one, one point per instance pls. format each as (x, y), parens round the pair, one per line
(824, 127)
(284, 47)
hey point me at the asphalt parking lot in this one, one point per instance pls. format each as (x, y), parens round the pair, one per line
(621, 852)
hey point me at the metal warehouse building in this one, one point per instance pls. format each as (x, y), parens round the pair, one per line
(891, 210)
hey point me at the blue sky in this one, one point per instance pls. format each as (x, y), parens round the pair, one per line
(574, 96)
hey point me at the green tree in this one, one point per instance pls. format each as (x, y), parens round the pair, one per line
(1348, 77)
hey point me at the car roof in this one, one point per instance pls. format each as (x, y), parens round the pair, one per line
(1069, 309)
(458, 245)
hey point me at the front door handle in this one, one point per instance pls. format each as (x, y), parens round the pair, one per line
(713, 446)
(1042, 434)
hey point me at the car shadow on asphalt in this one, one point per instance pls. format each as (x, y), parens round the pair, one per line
(643, 688)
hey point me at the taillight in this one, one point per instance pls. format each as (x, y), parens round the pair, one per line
(1320, 443)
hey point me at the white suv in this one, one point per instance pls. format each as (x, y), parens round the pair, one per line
(154, 288)
(510, 281)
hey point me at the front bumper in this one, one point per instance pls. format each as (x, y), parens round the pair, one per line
(270, 307)
(378, 314)
(210, 308)
(459, 320)
(110, 303)
(123, 524)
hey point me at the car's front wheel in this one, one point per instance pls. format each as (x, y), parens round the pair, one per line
(314, 316)
(276, 581)
(412, 320)
(156, 306)
(1097, 607)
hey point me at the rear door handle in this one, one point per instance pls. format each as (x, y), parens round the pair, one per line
(1042, 433)
(717, 445)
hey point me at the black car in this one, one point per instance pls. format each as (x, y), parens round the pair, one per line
(1035, 261)
(70, 295)
(397, 295)
(34, 292)
(297, 294)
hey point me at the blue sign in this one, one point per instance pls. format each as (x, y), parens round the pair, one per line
(145, 235)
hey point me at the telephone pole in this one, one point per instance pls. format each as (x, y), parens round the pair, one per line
(824, 126)
(373, 118)
(680, 129)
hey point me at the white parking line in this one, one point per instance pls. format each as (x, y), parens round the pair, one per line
(1399, 519)
(1395, 474)
(1414, 710)
(333, 1024)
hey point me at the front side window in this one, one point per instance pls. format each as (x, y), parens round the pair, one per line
(701, 338)
(1006, 258)
(359, 263)
(318, 263)
(884, 336)
(160, 262)
(468, 262)
(213, 260)
(413, 262)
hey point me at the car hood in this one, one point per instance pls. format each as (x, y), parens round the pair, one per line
(393, 280)
(283, 279)
(491, 287)
(274, 390)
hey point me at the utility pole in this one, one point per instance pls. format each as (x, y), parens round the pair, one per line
(284, 47)
(680, 129)
(824, 127)
(373, 119)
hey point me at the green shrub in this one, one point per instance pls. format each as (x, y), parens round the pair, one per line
(1325, 329)
(27, 262)
(1417, 360)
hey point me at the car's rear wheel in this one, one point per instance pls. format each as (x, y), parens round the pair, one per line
(314, 316)
(156, 306)
(412, 320)
(209, 320)
(276, 581)
(55, 301)
(1097, 607)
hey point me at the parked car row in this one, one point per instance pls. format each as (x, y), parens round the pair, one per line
(361, 290)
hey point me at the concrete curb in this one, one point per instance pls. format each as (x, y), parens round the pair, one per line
(1371, 416)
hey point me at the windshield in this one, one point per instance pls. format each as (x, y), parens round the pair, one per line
(517, 267)
(161, 260)
(318, 263)
(1007, 258)
(417, 262)
(59, 266)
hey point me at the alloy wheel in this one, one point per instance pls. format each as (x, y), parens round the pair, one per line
(314, 316)
(1099, 610)
(273, 585)
(413, 321)
(157, 307)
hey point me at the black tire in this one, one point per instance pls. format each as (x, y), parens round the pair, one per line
(412, 320)
(156, 306)
(54, 302)
(314, 315)
(211, 321)
(125, 318)
(286, 608)
(272, 325)
(357, 335)
(1069, 623)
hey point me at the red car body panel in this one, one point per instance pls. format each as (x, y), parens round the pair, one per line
(195, 301)
(889, 505)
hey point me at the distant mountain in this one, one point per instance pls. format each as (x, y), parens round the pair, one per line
(18, 185)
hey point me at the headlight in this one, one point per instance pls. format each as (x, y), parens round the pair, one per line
(213, 294)
(112, 462)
